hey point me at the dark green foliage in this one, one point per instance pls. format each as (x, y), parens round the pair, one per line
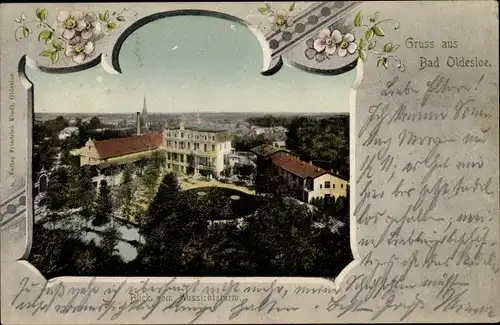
(324, 141)
(103, 207)
(269, 120)
(244, 171)
(61, 253)
(245, 143)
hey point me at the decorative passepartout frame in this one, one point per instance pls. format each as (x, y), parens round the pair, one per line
(288, 35)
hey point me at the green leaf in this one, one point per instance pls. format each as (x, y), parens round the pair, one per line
(54, 56)
(292, 7)
(101, 17)
(106, 15)
(378, 31)
(112, 26)
(57, 44)
(120, 18)
(45, 35)
(369, 34)
(41, 13)
(380, 62)
(358, 19)
(372, 44)
(362, 43)
(26, 31)
(262, 10)
(46, 53)
(362, 54)
(388, 47)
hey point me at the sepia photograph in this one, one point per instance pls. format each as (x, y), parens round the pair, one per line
(190, 162)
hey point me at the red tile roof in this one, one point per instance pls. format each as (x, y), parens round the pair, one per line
(125, 146)
(297, 167)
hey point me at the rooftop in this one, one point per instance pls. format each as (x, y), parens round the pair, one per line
(200, 129)
(129, 145)
(298, 167)
(266, 150)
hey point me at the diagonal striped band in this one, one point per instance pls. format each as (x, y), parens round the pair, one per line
(321, 16)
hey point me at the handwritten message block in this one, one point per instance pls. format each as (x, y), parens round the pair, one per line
(428, 145)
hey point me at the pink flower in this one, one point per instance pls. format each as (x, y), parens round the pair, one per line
(347, 45)
(71, 22)
(78, 49)
(327, 41)
(280, 20)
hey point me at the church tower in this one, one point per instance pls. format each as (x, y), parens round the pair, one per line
(144, 116)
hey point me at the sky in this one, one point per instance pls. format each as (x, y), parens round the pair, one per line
(187, 64)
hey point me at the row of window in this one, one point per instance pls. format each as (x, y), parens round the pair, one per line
(191, 136)
(194, 145)
(327, 185)
(183, 158)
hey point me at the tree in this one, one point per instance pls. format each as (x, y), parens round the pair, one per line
(82, 193)
(94, 123)
(109, 239)
(245, 171)
(324, 141)
(191, 160)
(56, 197)
(227, 171)
(104, 207)
(247, 142)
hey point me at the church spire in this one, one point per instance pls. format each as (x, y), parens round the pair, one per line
(144, 116)
(144, 108)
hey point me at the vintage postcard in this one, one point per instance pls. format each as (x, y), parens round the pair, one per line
(249, 162)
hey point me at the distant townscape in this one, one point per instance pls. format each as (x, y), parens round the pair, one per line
(221, 194)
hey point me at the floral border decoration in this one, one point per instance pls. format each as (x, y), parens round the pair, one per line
(279, 19)
(329, 42)
(75, 33)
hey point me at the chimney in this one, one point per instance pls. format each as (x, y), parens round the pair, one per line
(138, 122)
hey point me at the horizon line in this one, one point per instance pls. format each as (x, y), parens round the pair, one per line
(193, 113)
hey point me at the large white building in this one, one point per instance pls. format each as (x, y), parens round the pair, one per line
(196, 149)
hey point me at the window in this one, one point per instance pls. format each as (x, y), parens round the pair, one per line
(341, 185)
(182, 135)
(205, 138)
(213, 147)
(333, 185)
(320, 185)
(205, 147)
(327, 184)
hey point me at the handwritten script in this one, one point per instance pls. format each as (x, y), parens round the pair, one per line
(427, 149)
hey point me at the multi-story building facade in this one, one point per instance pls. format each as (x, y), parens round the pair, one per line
(197, 150)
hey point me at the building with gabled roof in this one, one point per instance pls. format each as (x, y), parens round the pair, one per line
(120, 150)
(307, 180)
